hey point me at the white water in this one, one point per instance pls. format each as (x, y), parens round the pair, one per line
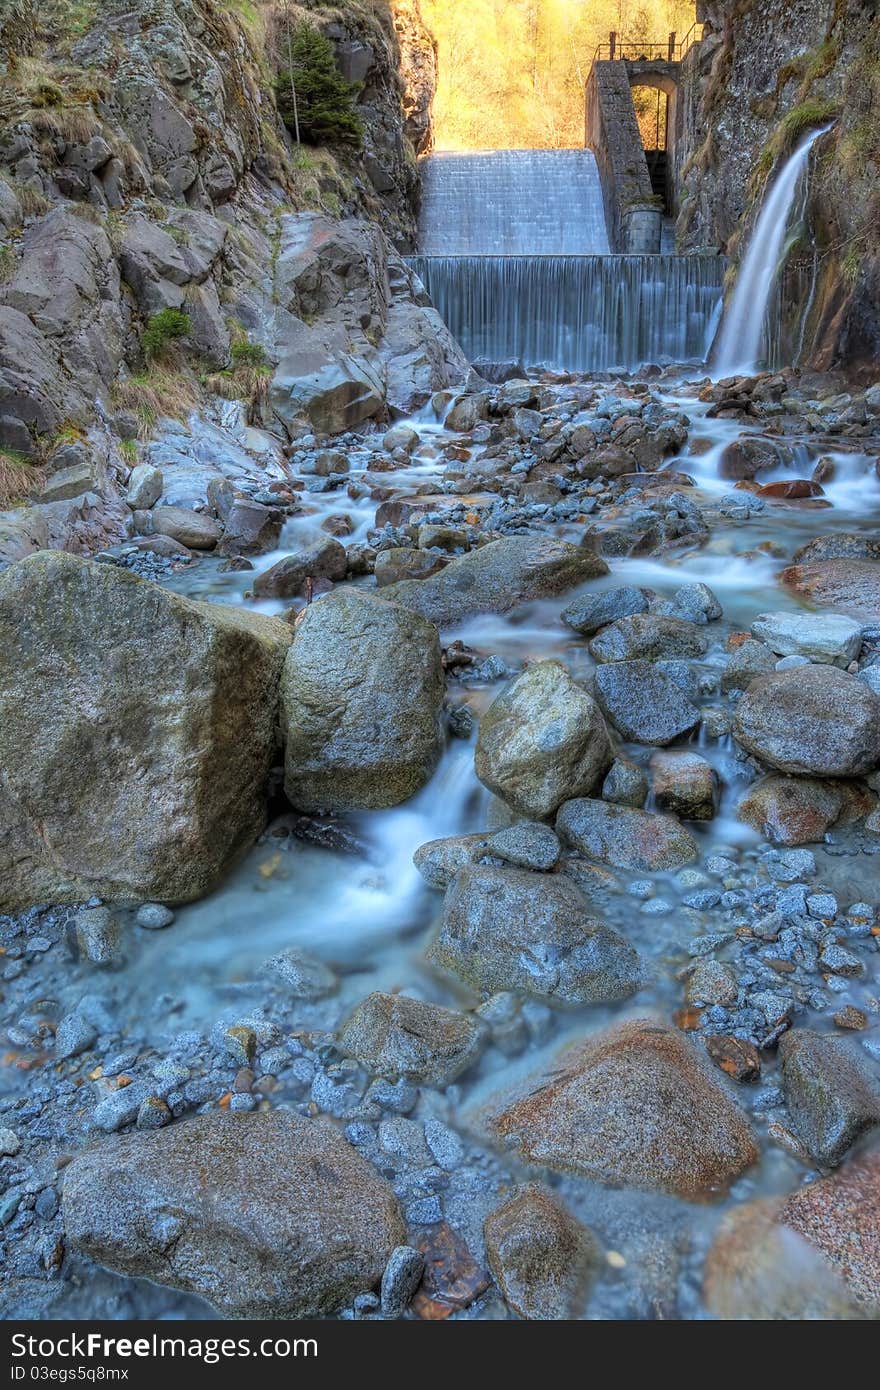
(512, 203)
(742, 330)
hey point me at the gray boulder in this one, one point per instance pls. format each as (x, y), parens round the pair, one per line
(508, 929)
(195, 530)
(137, 731)
(392, 1035)
(749, 660)
(265, 1215)
(361, 696)
(625, 837)
(648, 635)
(438, 861)
(144, 487)
(527, 844)
(643, 703)
(497, 577)
(542, 741)
(823, 637)
(832, 1097)
(324, 559)
(594, 611)
(812, 721)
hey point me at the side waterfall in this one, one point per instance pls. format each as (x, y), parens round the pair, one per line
(743, 331)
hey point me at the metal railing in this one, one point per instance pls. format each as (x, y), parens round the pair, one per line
(672, 51)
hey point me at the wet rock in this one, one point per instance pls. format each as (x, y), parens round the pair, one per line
(685, 785)
(75, 1034)
(832, 1097)
(839, 1216)
(748, 661)
(507, 929)
(195, 530)
(735, 1056)
(644, 703)
(696, 603)
(634, 1106)
(154, 916)
(815, 720)
(403, 1274)
(401, 437)
(98, 936)
(325, 559)
(748, 456)
(402, 563)
(544, 1261)
(304, 975)
(823, 637)
(185, 695)
(712, 982)
(624, 837)
(848, 586)
(839, 545)
(361, 694)
(439, 861)
(798, 810)
(144, 487)
(297, 1224)
(648, 636)
(392, 1035)
(759, 1270)
(251, 528)
(594, 611)
(497, 577)
(542, 741)
(625, 784)
(528, 845)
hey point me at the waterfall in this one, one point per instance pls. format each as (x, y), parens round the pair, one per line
(576, 313)
(512, 203)
(743, 325)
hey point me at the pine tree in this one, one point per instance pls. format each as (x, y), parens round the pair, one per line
(319, 100)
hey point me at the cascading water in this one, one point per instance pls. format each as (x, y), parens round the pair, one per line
(514, 253)
(577, 313)
(743, 329)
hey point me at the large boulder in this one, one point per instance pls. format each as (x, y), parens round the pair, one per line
(542, 741)
(392, 1035)
(634, 1106)
(137, 732)
(823, 637)
(848, 586)
(361, 695)
(544, 1261)
(497, 577)
(832, 1097)
(645, 704)
(510, 929)
(625, 837)
(811, 721)
(265, 1215)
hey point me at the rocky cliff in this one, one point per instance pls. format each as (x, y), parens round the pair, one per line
(169, 253)
(765, 74)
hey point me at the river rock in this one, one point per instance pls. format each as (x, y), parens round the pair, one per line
(392, 1035)
(633, 1106)
(712, 982)
(749, 660)
(591, 612)
(264, 1214)
(650, 636)
(823, 637)
(831, 1095)
(527, 844)
(759, 1270)
(325, 559)
(137, 731)
(361, 695)
(544, 1261)
(498, 576)
(626, 784)
(849, 586)
(814, 720)
(439, 861)
(542, 741)
(401, 562)
(839, 1216)
(195, 530)
(625, 837)
(508, 929)
(799, 810)
(643, 703)
(251, 528)
(839, 545)
(684, 784)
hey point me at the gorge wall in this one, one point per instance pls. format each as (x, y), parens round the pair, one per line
(766, 72)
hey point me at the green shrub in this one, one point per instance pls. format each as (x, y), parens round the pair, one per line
(245, 354)
(318, 98)
(164, 329)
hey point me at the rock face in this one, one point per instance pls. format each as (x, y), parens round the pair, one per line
(137, 731)
(644, 703)
(812, 721)
(542, 741)
(625, 837)
(840, 1216)
(361, 695)
(633, 1106)
(832, 1098)
(509, 929)
(265, 1215)
(543, 1260)
(392, 1035)
(497, 577)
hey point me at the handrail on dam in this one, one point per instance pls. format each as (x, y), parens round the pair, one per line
(673, 51)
